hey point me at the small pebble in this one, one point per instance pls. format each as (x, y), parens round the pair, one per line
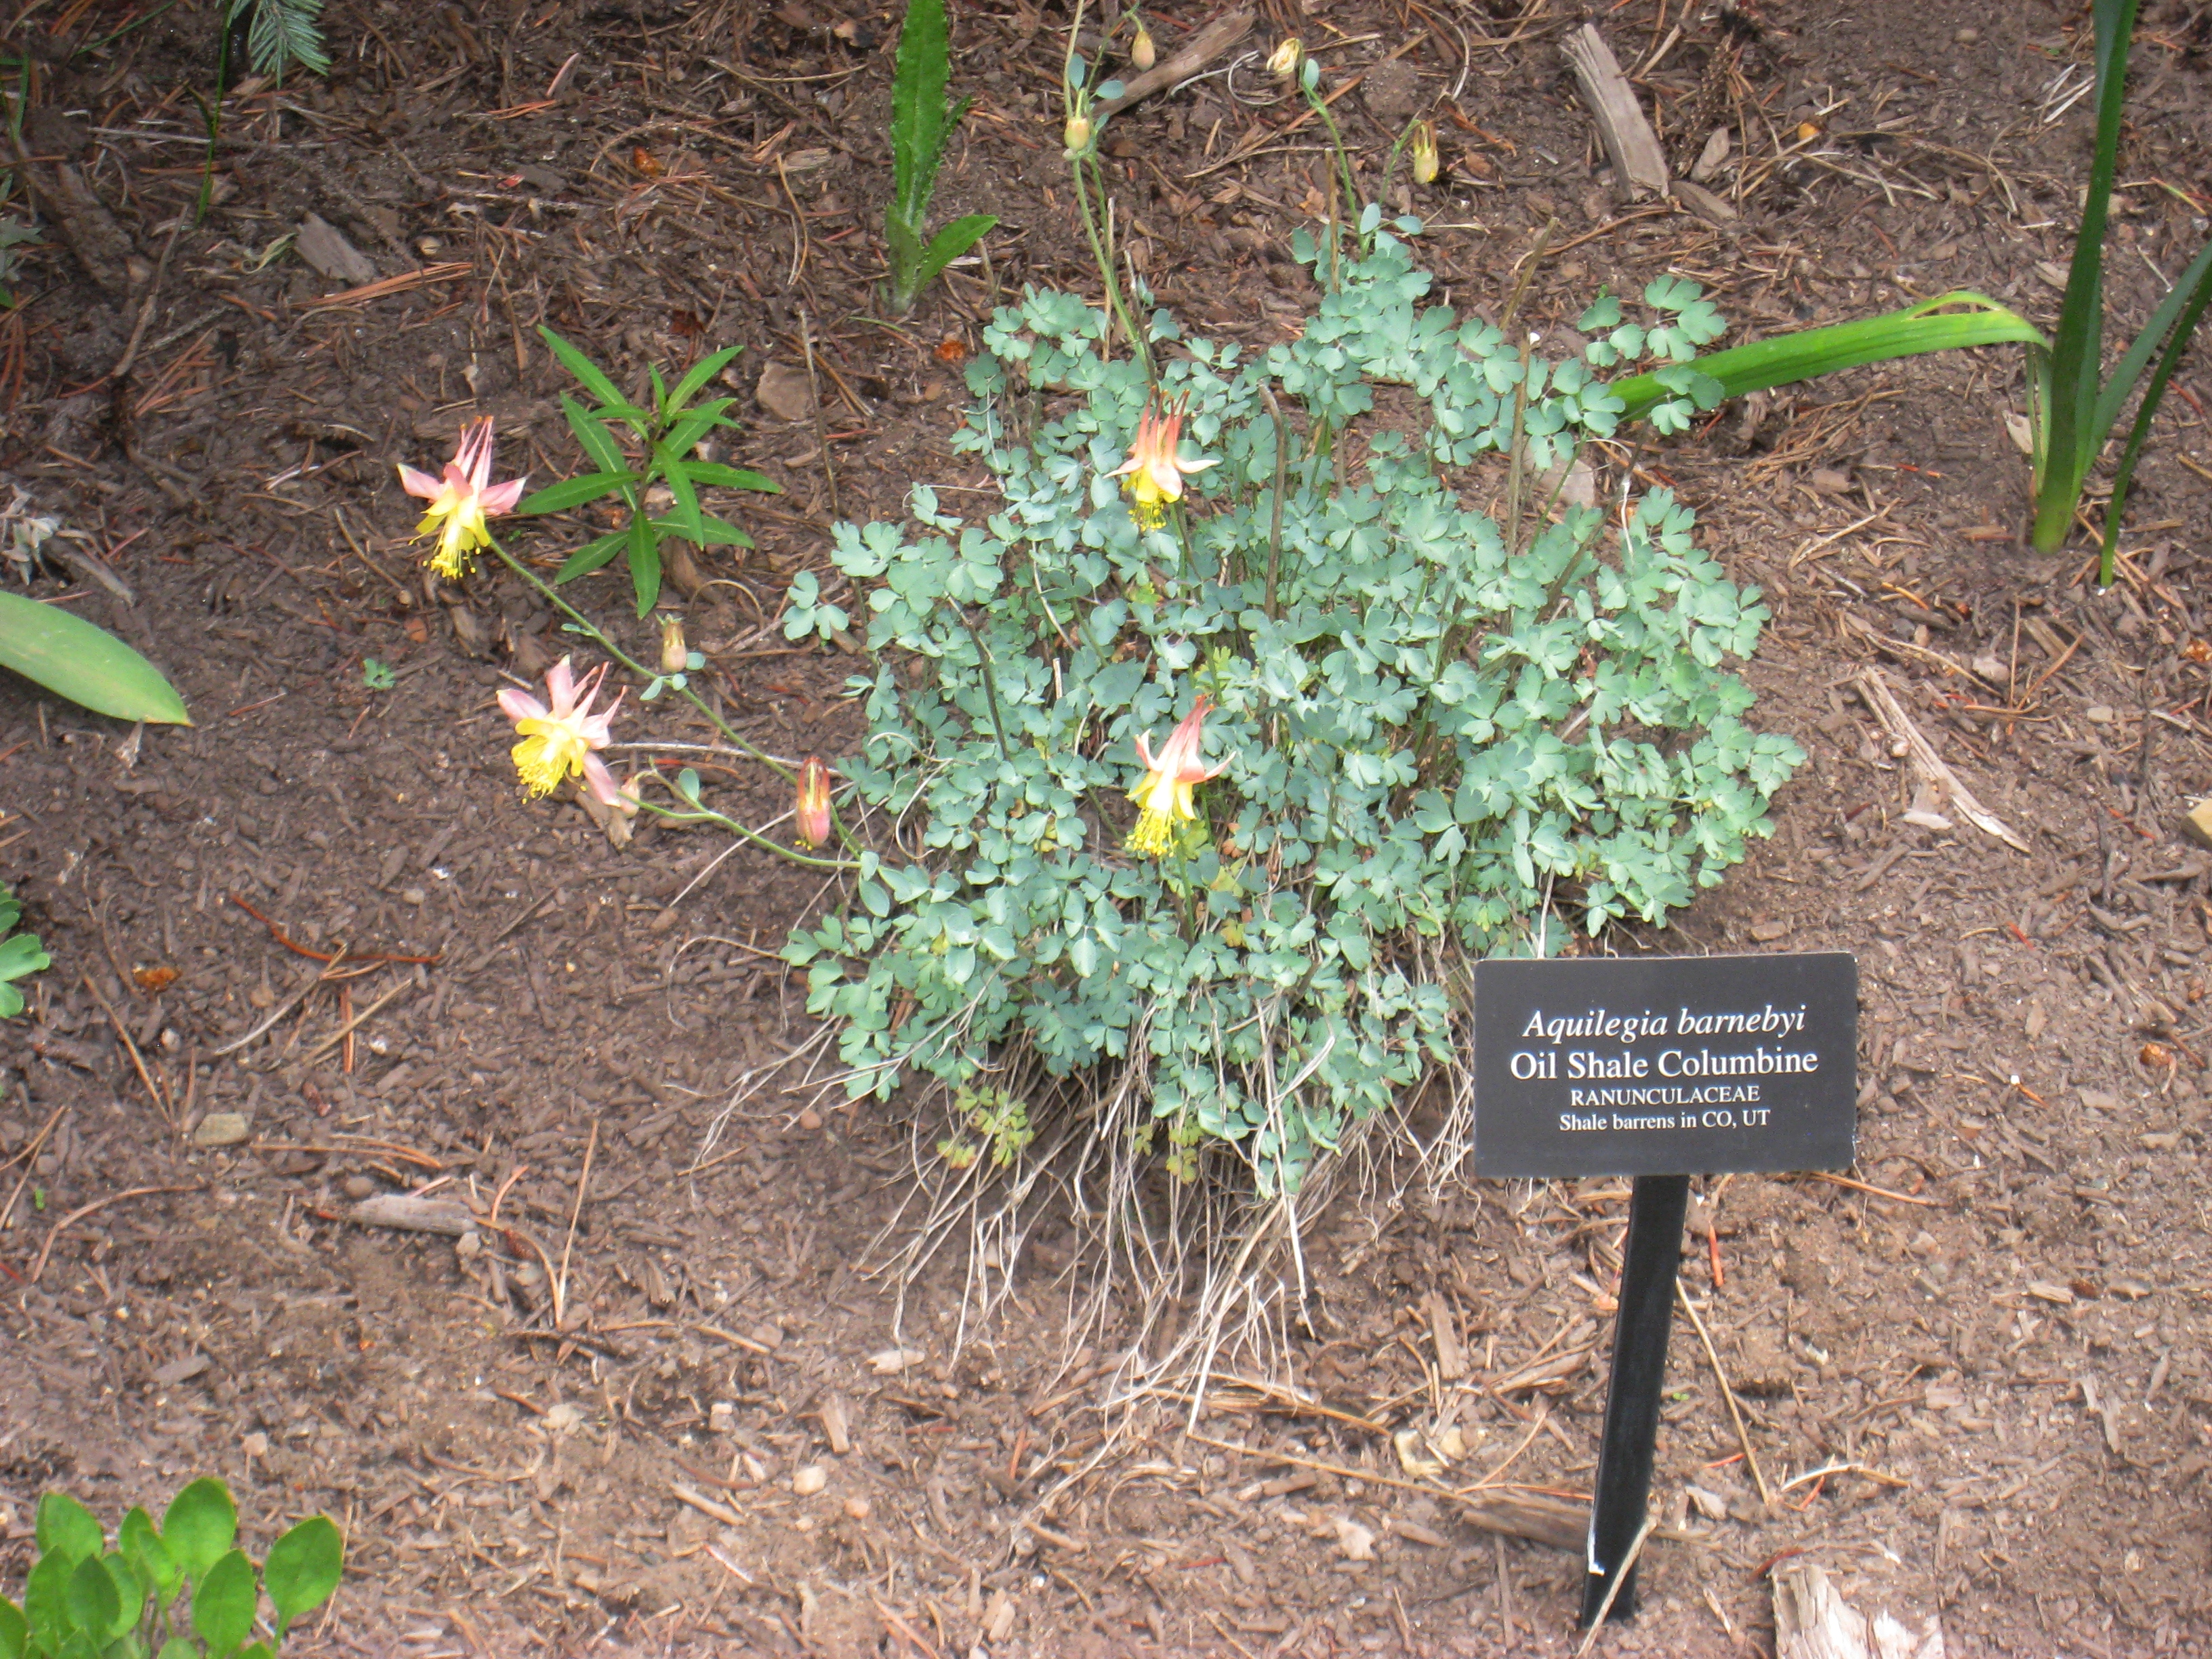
(810, 1119)
(857, 1508)
(2098, 714)
(255, 1444)
(1966, 37)
(221, 1129)
(810, 1479)
(358, 1186)
(412, 896)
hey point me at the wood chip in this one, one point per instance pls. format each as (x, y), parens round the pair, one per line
(1812, 1621)
(444, 1216)
(1639, 166)
(326, 249)
(1451, 1358)
(1941, 780)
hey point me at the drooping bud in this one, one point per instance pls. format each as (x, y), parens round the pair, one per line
(675, 655)
(1142, 52)
(1284, 64)
(1077, 135)
(1425, 152)
(813, 811)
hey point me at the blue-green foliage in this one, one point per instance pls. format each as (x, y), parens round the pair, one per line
(1435, 744)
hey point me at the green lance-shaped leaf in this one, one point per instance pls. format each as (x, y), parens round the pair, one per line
(150, 1557)
(1787, 358)
(87, 664)
(91, 1599)
(303, 1569)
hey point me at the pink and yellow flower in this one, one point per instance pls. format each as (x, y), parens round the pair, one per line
(1155, 471)
(559, 742)
(461, 500)
(1163, 794)
(813, 809)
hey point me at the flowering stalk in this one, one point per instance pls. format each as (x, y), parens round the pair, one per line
(1082, 135)
(753, 751)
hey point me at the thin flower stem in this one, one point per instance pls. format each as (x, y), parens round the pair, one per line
(706, 814)
(1103, 255)
(1275, 518)
(990, 684)
(749, 751)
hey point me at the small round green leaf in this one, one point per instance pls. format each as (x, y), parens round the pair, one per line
(87, 664)
(303, 1568)
(200, 1525)
(150, 1557)
(15, 1630)
(223, 1607)
(64, 1526)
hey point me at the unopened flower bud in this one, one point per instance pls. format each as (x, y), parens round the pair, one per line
(1425, 152)
(813, 812)
(675, 655)
(1288, 57)
(1142, 52)
(1077, 136)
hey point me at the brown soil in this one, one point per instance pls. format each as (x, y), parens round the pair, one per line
(2000, 1330)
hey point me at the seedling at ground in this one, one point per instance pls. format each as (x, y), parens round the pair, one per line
(666, 435)
(921, 123)
(184, 1590)
(21, 955)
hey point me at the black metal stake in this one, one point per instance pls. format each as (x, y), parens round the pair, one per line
(1648, 1260)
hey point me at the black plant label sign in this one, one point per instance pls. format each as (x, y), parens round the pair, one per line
(1616, 1066)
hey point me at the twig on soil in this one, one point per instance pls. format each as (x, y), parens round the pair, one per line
(1860, 1470)
(583, 1184)
(28, 1158)
(368, 959)
(1936, 776)
(347, 1029)
(84, 1210)
(1202, 49)
(131, 1049)
(705, 1505)
(269, 1023)
(1877, 1192)
(1728, 1395)
(821, 427)
(449, 271)
(1620, 1577)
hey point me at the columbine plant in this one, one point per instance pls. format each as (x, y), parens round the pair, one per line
(1432, 736)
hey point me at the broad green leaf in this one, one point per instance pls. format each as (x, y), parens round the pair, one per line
(93, 1606)
(130, 1594)
(591, 555)
(45, 1600)
(64, 1526)
(222, 1606)
(21, 954)
(14, 1631)
(574, 492)
(303, 1569)
(149, 1556)
(87, 664)
(950, 243)
(200, 1525)
(179, 1647)
(588, 374)
(699, 373)
(712, 475)
(644, 562)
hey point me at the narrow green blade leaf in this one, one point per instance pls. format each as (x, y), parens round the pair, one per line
(592, 434)
(2077, 343)
(699, 373)
(712, 475)
(686, 516)
(222, 1606)
(644, 562)
(590, 556)
(918, 123)
(87, 664)
(1786, 358)
(588, 374)
(303, 1568)
(950, 243)
(2120, 384)
(200, 1526)
(574, 492)
(712, 532)
(2199, 294)
(683, 437)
